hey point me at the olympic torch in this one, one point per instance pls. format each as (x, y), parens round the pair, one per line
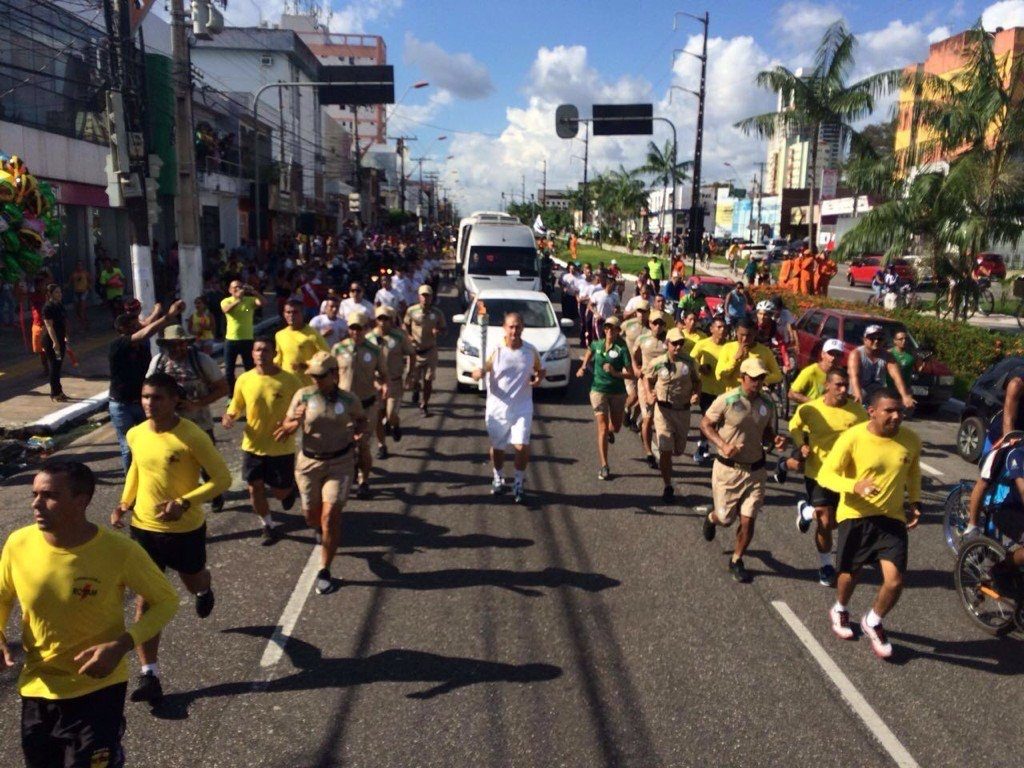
(481, 318)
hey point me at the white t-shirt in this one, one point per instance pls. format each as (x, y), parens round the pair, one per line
(387, 298)
(351, 305)
(633, 303)
(333, 331)
(603, 304)
(569, 284)
(509, 391)
(587, 289)
(406, 288)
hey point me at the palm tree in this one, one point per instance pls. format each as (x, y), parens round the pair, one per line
(820, 98)
(667, 171)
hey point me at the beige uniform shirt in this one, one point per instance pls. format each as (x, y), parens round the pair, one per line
(675, 381)
(632, 330)
(650, 347)
(359, 367)
(395, 348)
(742, 422)
(422, 325)
(329, 424)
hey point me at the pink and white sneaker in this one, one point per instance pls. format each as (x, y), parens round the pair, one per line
(840, 621)
(879, 642)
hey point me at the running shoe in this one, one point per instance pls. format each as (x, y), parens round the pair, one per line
(739, 571)
(382, 452)
(204, 604)
(363, 490)
(498, 487)
(708, 529)
(803, 522)
(415, 397)
(879, 642)
(651, 461)
(668, 493)
(604, 473)
(611, 438)
(827, 576)
(148, 689)
(396, 432)
(289, 501)
(518, 493)
(217, 505)
(387, 428)
(269, 535)
(324, 583)
(423, 411)
(840, 621)
(781, 473)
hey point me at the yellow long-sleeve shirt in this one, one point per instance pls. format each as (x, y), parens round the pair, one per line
(263, 400)
(165, 466)
(72, 599)
(894, 463)
(296, 347)
(819, 425)
(728, 369)
(705, 353)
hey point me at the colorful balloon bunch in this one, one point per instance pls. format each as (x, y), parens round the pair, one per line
(28, 219)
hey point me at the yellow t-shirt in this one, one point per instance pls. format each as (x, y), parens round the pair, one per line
(165, 466)
(705, 353)
(810, 382)
(691, 339)
(72, 599)
(893, 462)
(264, 400)
(295, 348)
(728, 369)
(818, 424)
(239, 320)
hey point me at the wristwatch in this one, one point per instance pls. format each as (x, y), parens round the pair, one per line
(185, 504)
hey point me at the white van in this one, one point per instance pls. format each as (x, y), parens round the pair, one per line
(496, 251)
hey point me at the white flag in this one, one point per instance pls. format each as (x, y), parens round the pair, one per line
(538, 226)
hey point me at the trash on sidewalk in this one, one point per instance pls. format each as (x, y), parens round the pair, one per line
(43, 443)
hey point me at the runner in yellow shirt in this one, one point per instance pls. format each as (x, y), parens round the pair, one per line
(735, 352)
(297, 343)
(876, 469)
(809, 384)
(705, 354)
(165, 496)
(69, 577)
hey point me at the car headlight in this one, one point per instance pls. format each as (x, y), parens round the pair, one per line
(466, 348)
(559, 352)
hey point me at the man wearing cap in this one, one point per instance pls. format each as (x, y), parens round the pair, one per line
(199, 379)
(329, 324)
(870, 363)
(810, 382)
(745, 346)
(739, 424)
(705, 354)
(361, 372)
(632, 328)
(425, 323)
(332, 421)
(396, 347)
(673, 378)
(649, 345)
(296, 343)
(612, 370)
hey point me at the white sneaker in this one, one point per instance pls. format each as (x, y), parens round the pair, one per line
(498, 487)
(840, 621)
(879, 642)
(804, 515)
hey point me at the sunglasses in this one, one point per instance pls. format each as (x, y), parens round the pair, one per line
(318, 376)
(676, 343)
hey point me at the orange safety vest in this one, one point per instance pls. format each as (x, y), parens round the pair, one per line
(786, 275)
(806, 274)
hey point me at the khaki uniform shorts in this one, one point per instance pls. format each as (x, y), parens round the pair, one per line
(396, 389)
(631, 388)
(424, 367)
(372, 413)
(736, 491)
(671, 428)
(324, 482)
(612, 406)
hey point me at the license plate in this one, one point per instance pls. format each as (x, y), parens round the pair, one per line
(919, 390)
(946, 381)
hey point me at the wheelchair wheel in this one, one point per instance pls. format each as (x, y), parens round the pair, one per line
(954, 517)
(985, 606)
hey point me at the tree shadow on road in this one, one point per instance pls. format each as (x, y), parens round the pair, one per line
(521, 582)
(444, 674)
(999, 656)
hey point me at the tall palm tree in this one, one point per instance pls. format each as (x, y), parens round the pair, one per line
(667, 171)
(820, 98)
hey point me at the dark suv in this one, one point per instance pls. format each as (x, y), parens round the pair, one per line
(982, 403)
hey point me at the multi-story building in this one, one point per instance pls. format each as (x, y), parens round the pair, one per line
(554, 198)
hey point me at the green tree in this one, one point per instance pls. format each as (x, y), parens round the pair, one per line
(666, 170)
(821, 98)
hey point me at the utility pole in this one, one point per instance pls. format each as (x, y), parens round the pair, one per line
(696, 211)
(190, 253)
(544, 187)
(586, 160)
(524, 188)
(401, 159)
(760, 198)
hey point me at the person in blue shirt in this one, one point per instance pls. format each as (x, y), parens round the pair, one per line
(673, 291)
(735, 304)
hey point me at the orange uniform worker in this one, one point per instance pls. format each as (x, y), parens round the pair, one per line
(806, 266)
(826, 270)
(788, 274)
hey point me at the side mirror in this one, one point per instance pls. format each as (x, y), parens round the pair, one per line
(459, 319)
(565, 322)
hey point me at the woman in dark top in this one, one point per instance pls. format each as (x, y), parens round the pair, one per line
(55, 338)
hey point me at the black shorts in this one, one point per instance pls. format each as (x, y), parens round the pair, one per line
(84, 732)
(181, 552)
(818, 496)
(1010, 522)
(275, 471)
(867, 540)
(705, 401)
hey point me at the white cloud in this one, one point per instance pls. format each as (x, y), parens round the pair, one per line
(1006, 14)
(801, 20)
(358, 16)
(939, 33)
(458, 73)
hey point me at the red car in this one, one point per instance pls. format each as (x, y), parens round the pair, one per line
(714, 289)
(863, 269)
(993, 263)
(931, 383)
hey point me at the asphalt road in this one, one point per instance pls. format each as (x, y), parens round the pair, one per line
(591, 627)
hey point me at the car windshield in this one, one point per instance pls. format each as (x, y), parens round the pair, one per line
(854, 327)
(502, 260)
(715, 289)
(536, 314)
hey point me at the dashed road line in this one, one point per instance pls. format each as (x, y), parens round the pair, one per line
(282, 633)
(932, 470)
(853, 697)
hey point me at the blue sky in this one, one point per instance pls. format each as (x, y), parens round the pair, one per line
(497, 71)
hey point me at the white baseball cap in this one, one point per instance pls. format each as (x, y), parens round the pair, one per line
(833, 345)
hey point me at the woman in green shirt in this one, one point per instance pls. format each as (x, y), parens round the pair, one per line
(608, 389)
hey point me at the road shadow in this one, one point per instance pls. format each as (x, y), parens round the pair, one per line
(442, 674)
(406, 534)
(998, 656)
(523, 583)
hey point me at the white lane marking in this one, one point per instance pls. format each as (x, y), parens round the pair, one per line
(931, 470)
(853, 697)
(275, 648)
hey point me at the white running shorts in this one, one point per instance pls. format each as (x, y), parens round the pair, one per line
(509, 429)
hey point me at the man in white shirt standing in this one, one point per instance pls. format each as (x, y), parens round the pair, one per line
(604, 301)
(406, 287)
(512, 369)
(329, 325)
(386, 297)
(356, 302)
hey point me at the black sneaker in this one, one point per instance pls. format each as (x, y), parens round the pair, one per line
(382, 452)
(708, 529)
(148, 689)
(415, 397)
(289, 501)
(363, 490)
(217, 505)
(204, 604)
(424, 412)
(651, 461)
(827, 576)
(324, 583)
(739, 571)
(668, 494)
(269, 536)
(396, 432)
(781, 473)
(604, 473)
(611, 438)
(387, 428)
